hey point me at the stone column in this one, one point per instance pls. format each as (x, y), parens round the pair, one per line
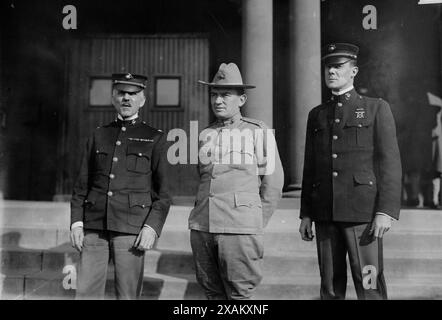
(257, 58)
(3, 157)
(305, 78)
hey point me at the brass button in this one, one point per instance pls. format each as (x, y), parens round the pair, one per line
(110, 194)
(214, 176)
(370, 183)
(335, 137)
(360, 125)
(334, 155)
(118, 142)
(112, 176)
(114, 159)
(335, 174)
(211, 194)
(339, 104)
(337, 120)
(123, 128)
(98, 151)
(140, 154)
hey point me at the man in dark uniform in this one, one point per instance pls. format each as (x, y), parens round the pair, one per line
(351, 185)
(121, 198)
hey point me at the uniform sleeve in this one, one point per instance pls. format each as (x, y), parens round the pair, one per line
(387, 163)
(81, 185)
(270, 171)
(308, 171)
(161, 198)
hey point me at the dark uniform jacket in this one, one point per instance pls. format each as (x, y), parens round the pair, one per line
(352, 166)
(122, 183)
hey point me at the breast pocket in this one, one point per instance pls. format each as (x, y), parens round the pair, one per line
(240, 158)
(358, 133)
(139, 157)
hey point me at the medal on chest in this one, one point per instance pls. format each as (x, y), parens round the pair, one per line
(360, 113)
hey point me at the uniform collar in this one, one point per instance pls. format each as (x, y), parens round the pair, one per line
(128, 121)
(345, 96)
(225, 122)
(341, 92)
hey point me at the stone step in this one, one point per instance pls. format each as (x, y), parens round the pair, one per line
(54, 285)
(34, 249)
(291, 242)
(32, 238)
(56, 215)
(397, 263)
(179, 239)
(34, 213)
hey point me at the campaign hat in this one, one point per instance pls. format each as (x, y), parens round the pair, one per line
(228, 76)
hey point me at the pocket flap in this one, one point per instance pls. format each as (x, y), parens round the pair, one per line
(319, 127)
(365, 178)
(91, 197)
(138, 149)
(141, 199)
(241, 151)
(103, 150)
(316, 184)
(246, 199)
(354, 122)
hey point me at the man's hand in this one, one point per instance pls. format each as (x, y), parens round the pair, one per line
(380, 225)
(146, 238)
(305, 229)
(77, 236)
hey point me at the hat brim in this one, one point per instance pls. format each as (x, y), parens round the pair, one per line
(337, 59)
(127, 87)
(229, 85)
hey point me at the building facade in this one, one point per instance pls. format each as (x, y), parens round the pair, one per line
(54, 82)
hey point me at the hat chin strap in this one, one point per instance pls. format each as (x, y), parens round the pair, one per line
(130, 83)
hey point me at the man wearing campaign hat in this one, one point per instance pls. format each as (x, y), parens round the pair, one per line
(351, 184)
(121, 198)
(241, 179)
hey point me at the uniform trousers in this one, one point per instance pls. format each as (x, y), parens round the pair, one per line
(334, 240)
(228, 266)
(98, 248)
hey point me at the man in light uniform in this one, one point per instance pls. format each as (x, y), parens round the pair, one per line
(241, 180)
